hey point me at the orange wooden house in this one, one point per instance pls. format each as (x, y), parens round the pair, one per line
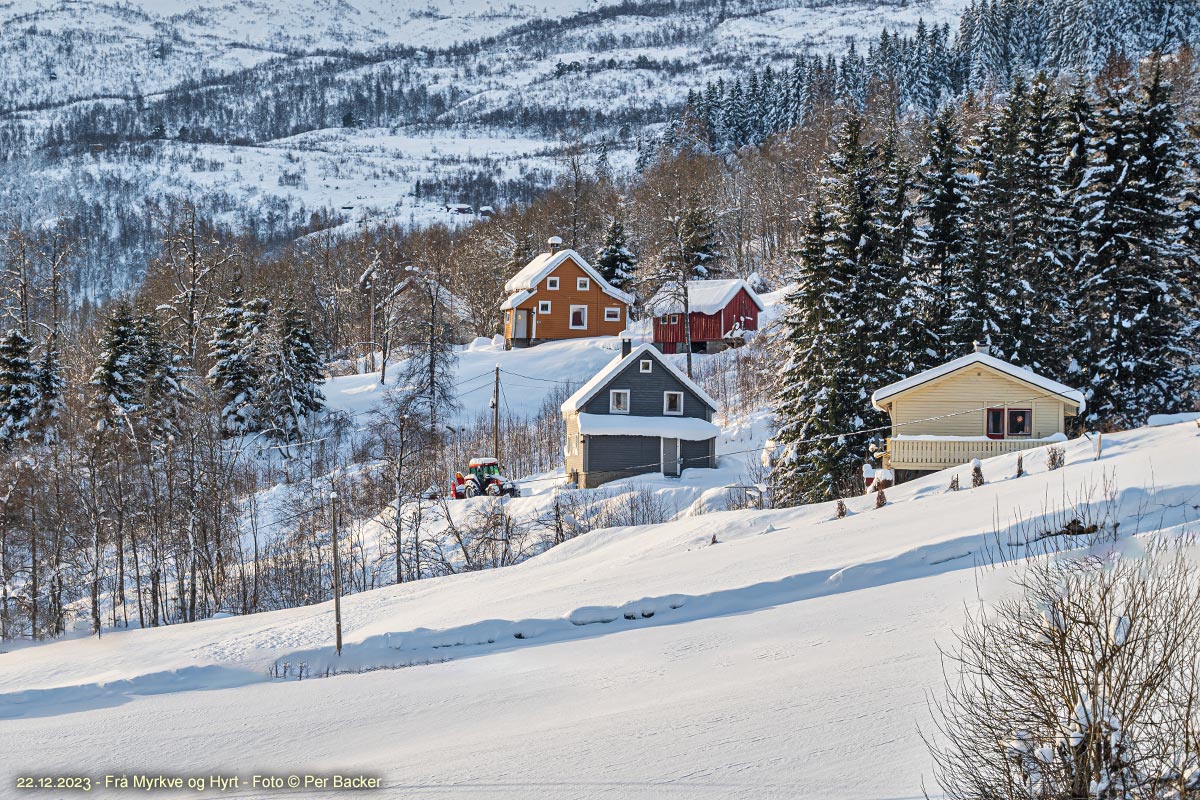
(559, 295)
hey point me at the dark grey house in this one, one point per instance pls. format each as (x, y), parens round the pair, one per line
(639, 414)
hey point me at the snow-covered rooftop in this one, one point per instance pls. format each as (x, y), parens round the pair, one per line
(541, 266)
(984, 359)
(516, 299)
(586, 392)
(689, 428)
(704, 297)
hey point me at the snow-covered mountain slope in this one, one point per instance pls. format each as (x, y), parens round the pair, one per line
(255, 110)
(795, 651)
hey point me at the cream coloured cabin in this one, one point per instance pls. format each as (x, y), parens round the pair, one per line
(975, 406)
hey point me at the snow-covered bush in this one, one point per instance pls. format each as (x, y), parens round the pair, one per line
(1083, 686)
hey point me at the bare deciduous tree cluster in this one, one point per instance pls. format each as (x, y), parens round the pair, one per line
(1086, 685)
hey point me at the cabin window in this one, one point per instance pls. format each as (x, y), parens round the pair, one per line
(552, 284)
(543, 306)
(995, 423)
(583, 284)
(618, 401)
(645, 365)
(1020, 422)
(666, 320)
(578, 318)
(674, 319)
(673, 403)
(612, 315)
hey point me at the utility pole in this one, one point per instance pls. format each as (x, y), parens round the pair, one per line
(496, 416)
(337, 572)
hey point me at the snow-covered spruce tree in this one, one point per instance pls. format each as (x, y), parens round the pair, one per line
(50, 386)
(1083, 687)
(984, 300)
(1136, 309)
(234, 375)
(615, 261)
(165, 394)
(904, 339)
(822, 398)
(117, 379)
(18, 389)
(702, 245)
(1042, 227)
(291, 386)
(942, 217)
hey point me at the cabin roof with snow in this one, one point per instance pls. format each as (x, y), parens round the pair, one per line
(704, 296)
(532, 274)
(579, 400)
(1050, 387)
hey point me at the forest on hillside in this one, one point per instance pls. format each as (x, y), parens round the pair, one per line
(1054, 214)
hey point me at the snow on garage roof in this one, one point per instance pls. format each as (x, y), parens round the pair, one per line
(589, 390)
(691, 429)
(541, 266)
(704, 297)
(1012, 370)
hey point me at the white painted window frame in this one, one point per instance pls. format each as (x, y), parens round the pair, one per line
(583, 284)
(571, 318)
(646, 366)
(612, 407)
(667, 405)
(543, 306)
(552, 284)
(612, 313)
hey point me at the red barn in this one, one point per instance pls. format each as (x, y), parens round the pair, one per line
(720, 310)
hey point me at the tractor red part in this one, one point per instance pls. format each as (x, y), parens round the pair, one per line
(483, 478)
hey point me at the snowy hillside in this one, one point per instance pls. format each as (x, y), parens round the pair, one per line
(254, 110)
(735, 654)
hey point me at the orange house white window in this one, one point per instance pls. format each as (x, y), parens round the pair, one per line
(578, 321)
(612, 314)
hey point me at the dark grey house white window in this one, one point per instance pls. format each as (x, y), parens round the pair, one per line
(673, 403)
(618, 401)
(645, 365)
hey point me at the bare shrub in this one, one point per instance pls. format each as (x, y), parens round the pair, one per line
(1020, 464)
(1056, 457)
(1086, 685)
(954, 483)
(880, 498)
(841, 509)
(977, 474)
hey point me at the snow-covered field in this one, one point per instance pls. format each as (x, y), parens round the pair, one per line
(793, 655)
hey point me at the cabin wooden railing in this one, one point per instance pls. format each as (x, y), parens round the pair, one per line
(950, 451)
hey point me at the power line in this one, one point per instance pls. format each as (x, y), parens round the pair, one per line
(543, 380)
(826, 436)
